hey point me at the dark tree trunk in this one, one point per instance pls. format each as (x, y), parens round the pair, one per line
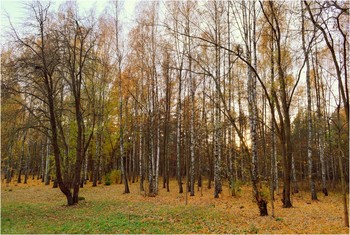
(54, 143)
(210, 156)
(8, 175)
(55, 184)
(26, 176)
(8, 172)
(95, 174)
(262, 207)
(19, 176)
(125, 177)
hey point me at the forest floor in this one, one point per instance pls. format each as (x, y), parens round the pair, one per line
(35, 208)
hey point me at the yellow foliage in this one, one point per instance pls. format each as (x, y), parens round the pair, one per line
(115, 176)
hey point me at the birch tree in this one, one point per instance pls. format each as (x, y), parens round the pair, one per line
(308, 88)
(119, 54)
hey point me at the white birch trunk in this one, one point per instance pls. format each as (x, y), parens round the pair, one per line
(47, 165)
(178, 138)
(42, 162)
(217, 121)
(309, 121)
(157, 160)
(141, 159)
(294, 177)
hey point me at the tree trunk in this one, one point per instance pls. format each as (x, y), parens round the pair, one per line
(321, 104)
(79, 157)
(294, 177)
(156, 173)
(230, 141)
(309, 121)
(151, 163)
(47, 166)
(217, 122)
(141, 159)
(26, 169)
(9, 167)
(42, 162)
(250, 44)
(274, 173)
(19, 179)
(86, 167)
(178, 136)
(134, 141)
(285, 128)
(166, 121)
(341, 170)
(95, 172)
(272, 166)
(212, 150)
(121, 140)
(56, 150)
(192, 134)
(121, 124)
(343, 186)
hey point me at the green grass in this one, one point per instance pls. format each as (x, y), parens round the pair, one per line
(35, 208)
(105, 217)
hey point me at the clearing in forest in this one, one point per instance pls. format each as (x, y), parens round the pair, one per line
(35, 208)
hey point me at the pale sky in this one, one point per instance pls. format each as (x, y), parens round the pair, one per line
(15, 10)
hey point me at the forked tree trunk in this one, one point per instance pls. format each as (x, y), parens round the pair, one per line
(250, 43)
(54, 142)
(283, 111)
